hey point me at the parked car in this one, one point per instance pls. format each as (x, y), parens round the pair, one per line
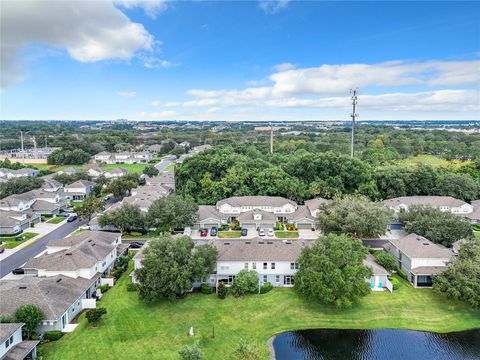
(106, 198)
(135, 245)
(2, 250)
(203, 232)
(270, 232)
(18, 271)
(72, 218)
(244, 232)
(64, 214)
(261, 232)
(213, 231)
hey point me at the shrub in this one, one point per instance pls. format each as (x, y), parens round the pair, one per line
(279, 226)
(191, 352)
(104, 288)
(386, 260)
(224, 227)
(266, 288)
(235, 225)
(117, 272)
(395, 283)
(6, 319)
(222, 291)
(246, 282)
(53, 335)
(94, 315)
(136, 233)
(247, 351)
(206, 289)
(290, 227)
(132, 287)
(402, 274)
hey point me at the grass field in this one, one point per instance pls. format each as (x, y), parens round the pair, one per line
(432, 161)
(229, 234)
(11, 242)
(286, 234)
(134, 330)
(56, 220)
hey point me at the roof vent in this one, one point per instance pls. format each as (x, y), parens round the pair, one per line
(226, 243)
(68, 253)
(90, 240)
(58, 280)
(22, 287)
(93, 244)
(261, 242)
(269, 242)
(426, 244)
(248, 242)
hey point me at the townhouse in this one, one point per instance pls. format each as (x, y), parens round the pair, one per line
(12, 345)
(123, 157)
(78, 190)
(443, 203)
(419, 258)
(109, 174)
(9, 174)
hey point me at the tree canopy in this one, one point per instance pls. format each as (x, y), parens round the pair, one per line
(173, 211)
(171, 266)
(245, 282)
(332, 271)
(89, 207)
(30, 315)
(126, 217)
(19, 185)
(356, 216)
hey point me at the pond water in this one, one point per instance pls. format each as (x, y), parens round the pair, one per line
(390, 344)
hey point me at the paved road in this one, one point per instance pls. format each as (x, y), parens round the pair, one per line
(165, 162)
(20, 257)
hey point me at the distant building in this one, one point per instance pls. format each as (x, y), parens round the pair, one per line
(123, 157)
(9, 174)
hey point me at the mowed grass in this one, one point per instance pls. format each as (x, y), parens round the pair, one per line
(134, 330)
(286, 234)
(56, 220)
(229, 234)
(12, 242)
(432, 161)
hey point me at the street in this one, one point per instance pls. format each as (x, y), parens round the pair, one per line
(165, 162)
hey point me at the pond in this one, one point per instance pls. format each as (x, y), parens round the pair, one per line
(390, 344)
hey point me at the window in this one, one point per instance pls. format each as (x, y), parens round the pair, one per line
(287, 280)
(293, 266)
(246, 266)
(254, 266)
(277, 278)
(230, 279)
(273, 266)
(73, 310)
(265, 278)
(265, 265)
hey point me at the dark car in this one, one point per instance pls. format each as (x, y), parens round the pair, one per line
(135, 245)
(213, 231)
(244, 232)
(72, 218)
(18, 271)
(203, 232)
(2, 250)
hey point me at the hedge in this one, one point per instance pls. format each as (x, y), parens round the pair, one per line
(53, 335)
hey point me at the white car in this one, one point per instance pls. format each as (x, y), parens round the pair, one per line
(271, 233)
(261, 232)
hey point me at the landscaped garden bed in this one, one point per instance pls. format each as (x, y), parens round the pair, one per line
(229, 234)
(286, 234)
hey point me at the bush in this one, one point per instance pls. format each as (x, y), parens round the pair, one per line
(402, 274)
(224, 227)
(104, 288)
(235, 225)
(6, 319)
(247, 351)
(53, 335)
(246, 282)
(222, 291)
(132, 287)
(386, 260)
(395, 283)
(278, 226)
(135, 233)
(291, 227)
(94, 315)
(206, 289)
(117, 272)
(191, 352)
(266, 288)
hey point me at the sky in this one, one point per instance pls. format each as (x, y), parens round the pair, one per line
(240, 60)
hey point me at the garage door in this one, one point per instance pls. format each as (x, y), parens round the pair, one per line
(305, 226)
(248, 226)
(209, 226)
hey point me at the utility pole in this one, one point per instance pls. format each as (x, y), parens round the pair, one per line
(45, 141)
(353, 116)
(271, 138)
(21, 141)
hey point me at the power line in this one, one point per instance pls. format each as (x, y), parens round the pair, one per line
(353, 116)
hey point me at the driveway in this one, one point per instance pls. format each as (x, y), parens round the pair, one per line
(308, 234)
(165, 162)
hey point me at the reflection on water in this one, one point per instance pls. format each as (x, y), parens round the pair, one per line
(390, 344)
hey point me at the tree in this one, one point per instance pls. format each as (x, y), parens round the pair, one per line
(68, 157)
(191, 352)
(171, 266)
(93, 315)
(332, 270)
(222, 291)
(150, 171)
(177, 151)
(19, 185)
(386, 260)
(173, 211)
(66, 179)
(30, 315)
(246, 282)
(461, 280)
(440, 227)
(126, 217)
(89, 207)
(356, 216)
(121, 186)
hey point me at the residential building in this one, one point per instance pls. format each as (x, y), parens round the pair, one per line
(443, 203)
(84, 255)
(420, 258)
(60, 298)
(474, 216)
(12, 345)
(78, 190)
(14, 222)
(115, 173)
(9, 174)
(95, 172)
(69, 170)
(123, 157)
(259, 212)
(38, 200)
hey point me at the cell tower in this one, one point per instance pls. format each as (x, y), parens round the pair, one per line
(353, 116)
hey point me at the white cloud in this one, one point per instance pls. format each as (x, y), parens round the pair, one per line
(151, 7)
(284, 67)
(152, 62)
(128, 94)
(88, 30)
(272, 6)
(157, 103)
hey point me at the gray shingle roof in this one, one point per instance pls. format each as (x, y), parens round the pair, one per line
(256, 201)
(53, 295)
(80, 183)
(428, 270)
(302, 212)
(248, 215)
(258, 250)
(209, 211)
(434, 201)
(376, 269)
(314, 204)
(6, 330)
(416, 246)
(98, 236)
(21, 350)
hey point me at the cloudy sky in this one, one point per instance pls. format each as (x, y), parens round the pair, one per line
(242, 60)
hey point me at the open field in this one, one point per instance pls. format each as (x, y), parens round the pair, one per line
(134, 330)
(432, 161)
(11, 242)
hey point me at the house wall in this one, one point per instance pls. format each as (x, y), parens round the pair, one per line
(17, 338)
(285, 209)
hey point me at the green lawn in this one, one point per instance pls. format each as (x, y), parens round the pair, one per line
(56, 168)
(229, 234)
(286, 234)
(133, 330)
(135, 168)
(56, 220)
(476, 234)
(11, 242)
(169, 167)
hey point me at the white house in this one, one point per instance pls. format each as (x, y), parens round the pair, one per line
(420, 258)
(14, 222)
(78, 190)
(123, 157)
(95, 172)
(443, 203)
(115, 173)
(13, 174)
(12, 345)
